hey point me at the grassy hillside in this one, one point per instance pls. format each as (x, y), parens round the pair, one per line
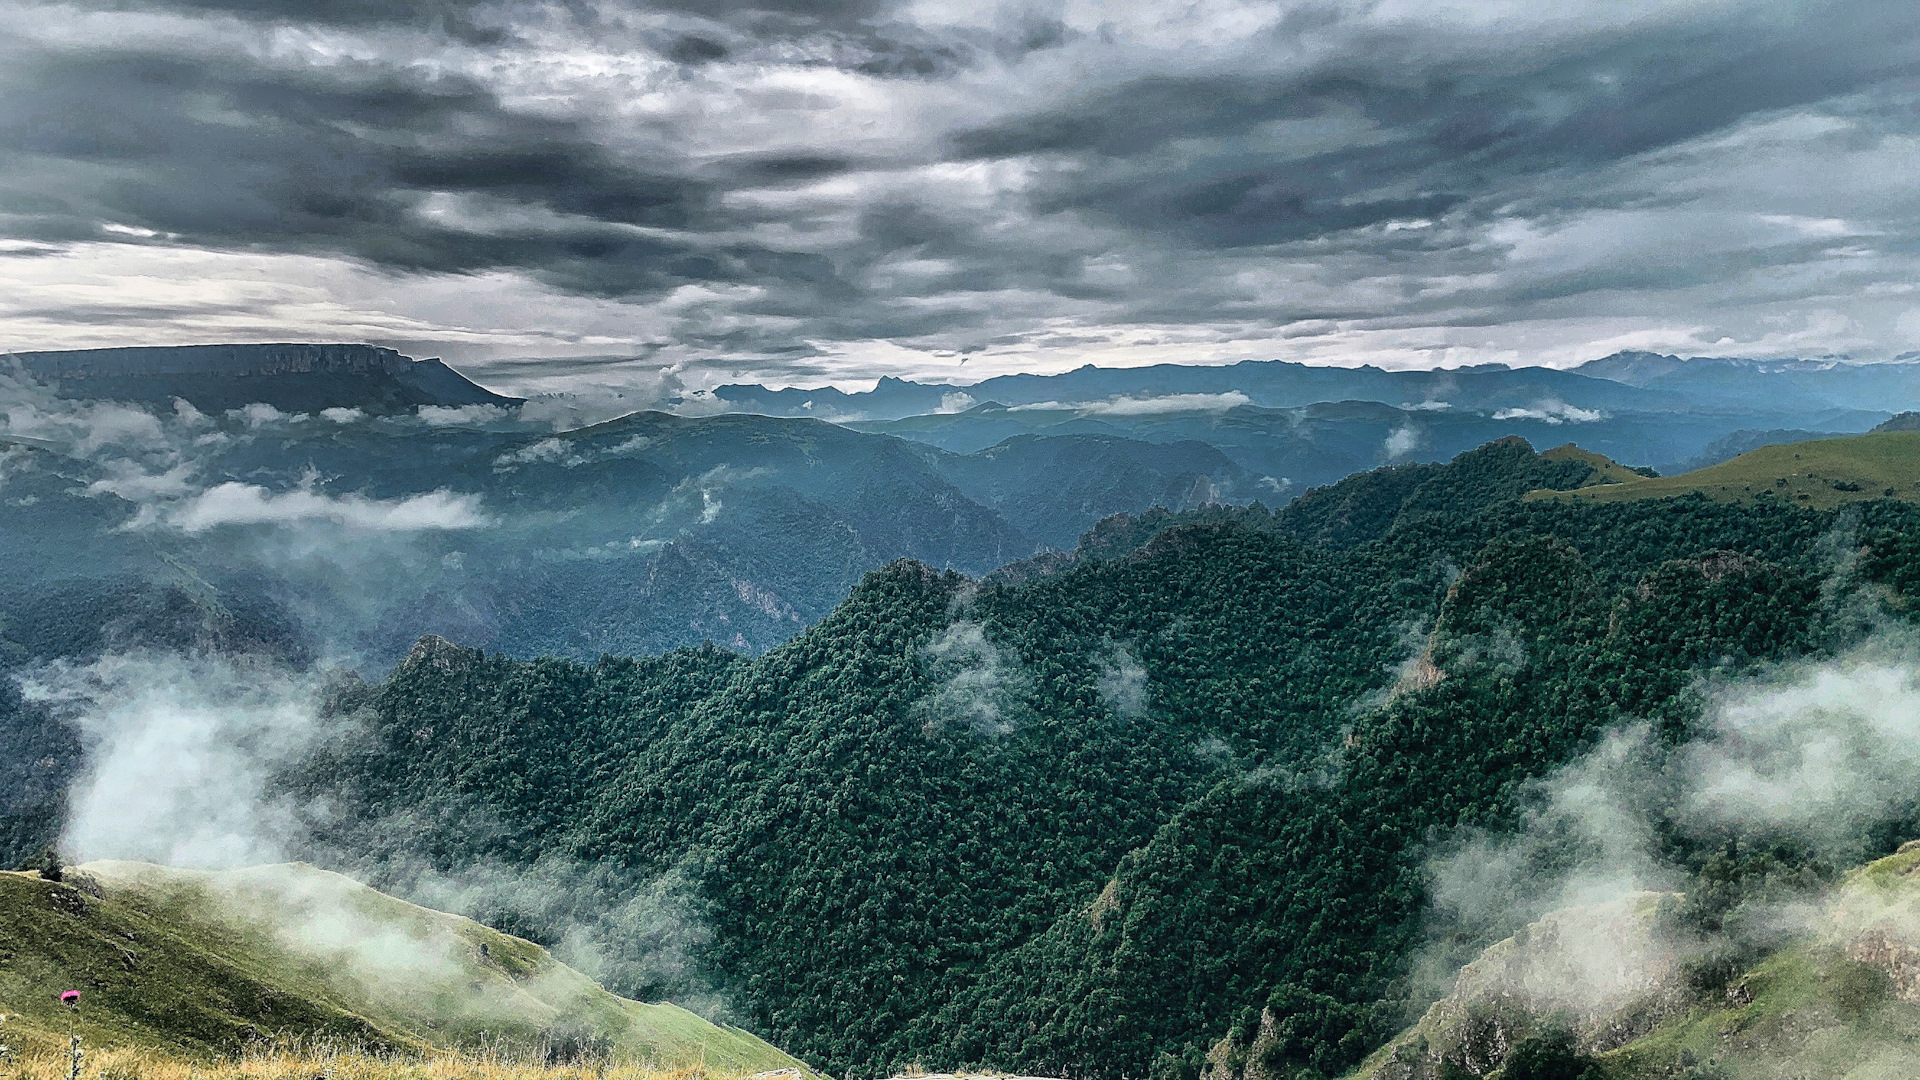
(302, 1061)
(1605, 469)
(1820, 474)
(197, 961)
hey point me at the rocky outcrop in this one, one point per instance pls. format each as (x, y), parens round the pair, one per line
(1607, 972)
(435, 652)
(1875, 919)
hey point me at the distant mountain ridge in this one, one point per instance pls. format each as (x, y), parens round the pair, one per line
(292, 377)
(1623, 381)
(1266, 383)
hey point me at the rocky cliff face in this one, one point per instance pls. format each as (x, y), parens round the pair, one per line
(1876, 919)
(1838, 996)
(1607, 972)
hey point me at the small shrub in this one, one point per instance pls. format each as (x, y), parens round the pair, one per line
(1549, 1055)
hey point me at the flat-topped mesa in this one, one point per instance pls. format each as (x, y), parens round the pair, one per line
(293, 377)
(233, 360)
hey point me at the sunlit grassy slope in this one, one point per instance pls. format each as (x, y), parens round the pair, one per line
(1605, 469)
(1823, 473)
(193, 962)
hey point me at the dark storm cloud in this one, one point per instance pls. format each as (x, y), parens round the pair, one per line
(783, 177)
(344, 161)
(1450, 134)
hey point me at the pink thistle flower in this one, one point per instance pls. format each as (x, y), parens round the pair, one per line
(70, 999)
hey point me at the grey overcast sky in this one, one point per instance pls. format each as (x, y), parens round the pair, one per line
(808, 191)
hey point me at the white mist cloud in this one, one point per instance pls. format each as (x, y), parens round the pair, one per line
(127, 480)
(1822, 754)
(1122, 684)
(259, 414)
(1814, 753)
(234, 503)
(80, 428)
(977, 685)
(1144, 406)
(1552, 412)
(1400, 442)
(181, 750)
(555, 449)
(185, 758)
(462, 415)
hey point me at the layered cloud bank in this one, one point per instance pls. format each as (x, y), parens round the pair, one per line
(806, 192)
(158, 462)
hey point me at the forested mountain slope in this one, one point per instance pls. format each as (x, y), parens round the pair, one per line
(1079, 821)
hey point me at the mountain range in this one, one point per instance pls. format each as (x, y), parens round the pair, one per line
(1095, 818)
(1092, 749)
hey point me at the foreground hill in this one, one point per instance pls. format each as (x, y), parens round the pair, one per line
(1819, 473)
(196, 961)
(1080, 819)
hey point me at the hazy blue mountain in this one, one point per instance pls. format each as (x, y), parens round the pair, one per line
(381, 497)
(1290, 450)
(1623, 382)
(1052, 488)
(641, 534)
(1733, 444)
(1266, 383)
(1706, 382)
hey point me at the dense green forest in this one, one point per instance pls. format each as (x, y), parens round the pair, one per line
(1086, 817)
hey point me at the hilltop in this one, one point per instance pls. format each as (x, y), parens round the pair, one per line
(1820, 473)
(201, 961)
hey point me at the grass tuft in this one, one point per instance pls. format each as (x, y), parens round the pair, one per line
(335, 1059)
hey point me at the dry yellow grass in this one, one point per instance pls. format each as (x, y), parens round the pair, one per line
(301, 1060)
(1820, 474)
